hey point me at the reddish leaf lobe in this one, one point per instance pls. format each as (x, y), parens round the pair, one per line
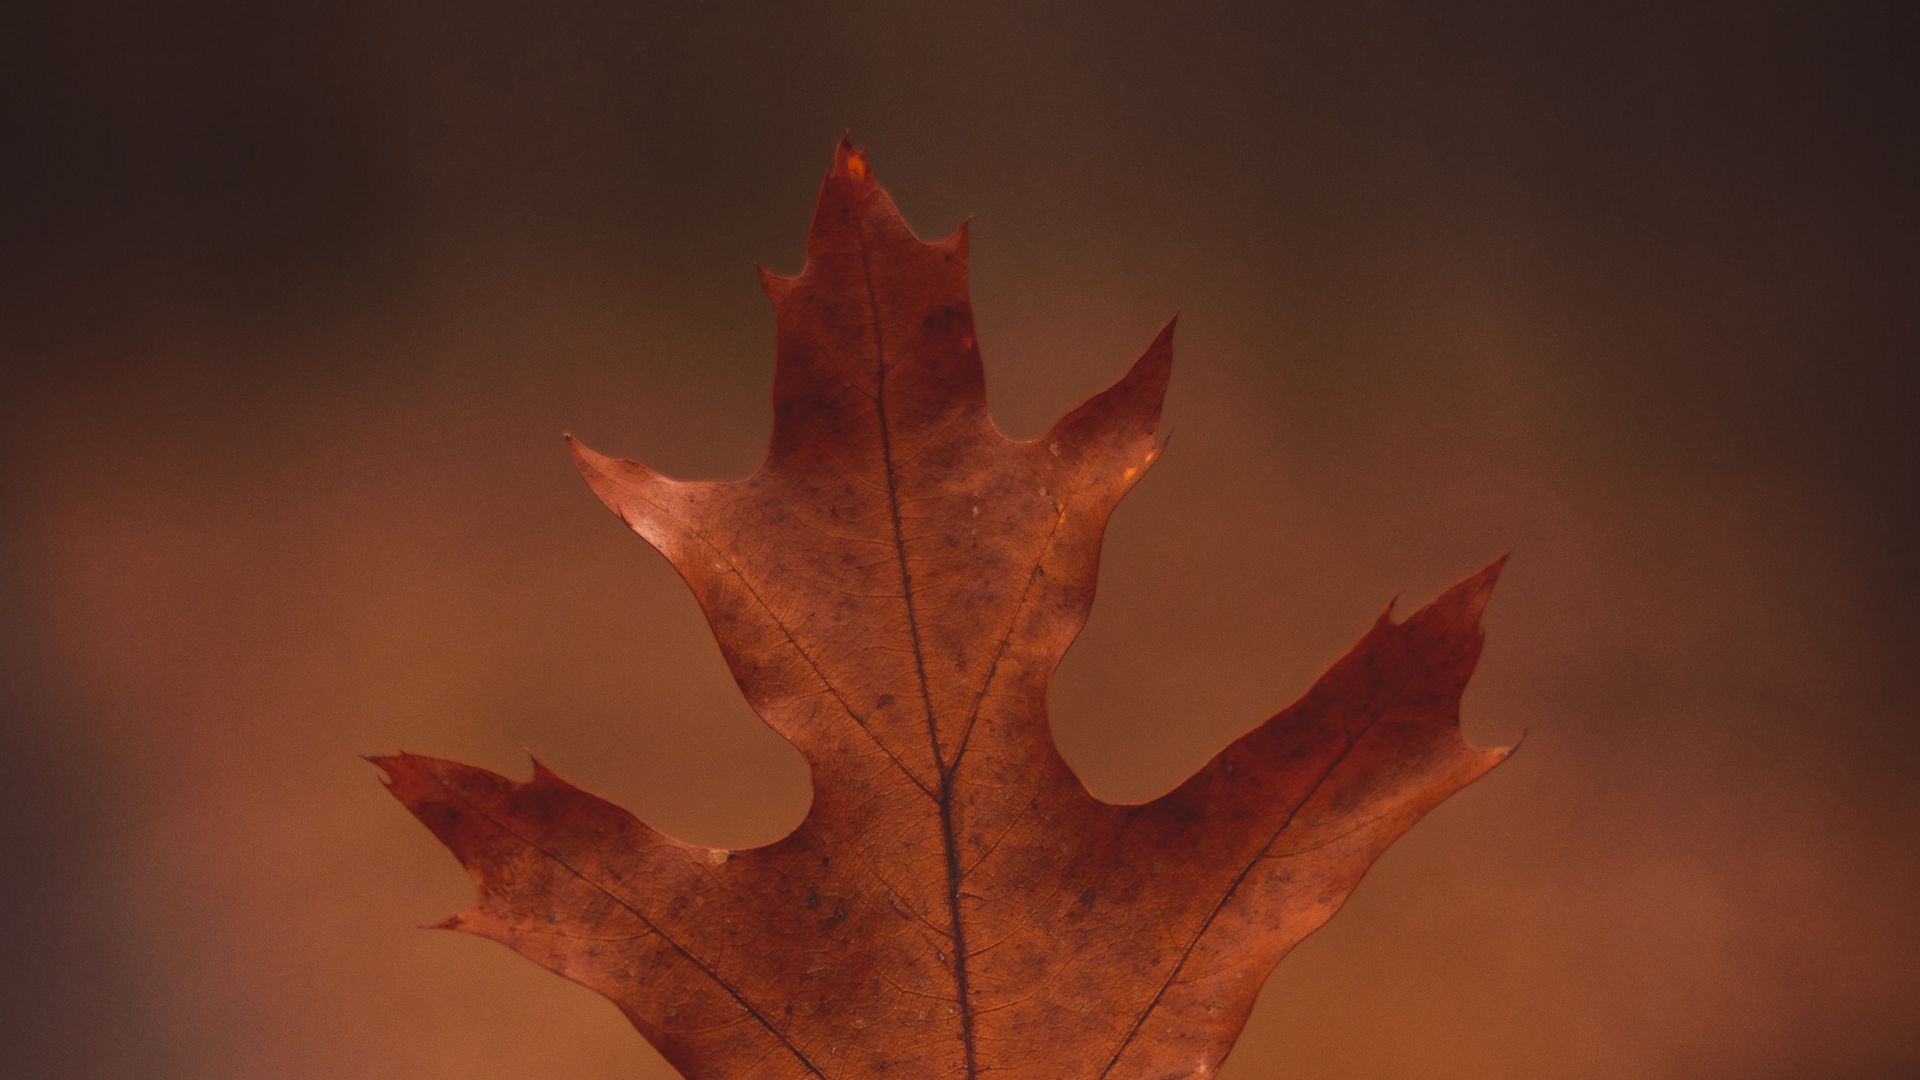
(892, 590)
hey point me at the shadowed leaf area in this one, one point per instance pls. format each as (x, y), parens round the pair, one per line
(892, 590)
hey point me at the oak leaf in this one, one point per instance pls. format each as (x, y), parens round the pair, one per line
(892, 590)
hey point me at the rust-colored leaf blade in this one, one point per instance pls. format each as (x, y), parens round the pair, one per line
(892, 590)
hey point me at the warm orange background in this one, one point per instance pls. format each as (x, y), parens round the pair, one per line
(298, 307)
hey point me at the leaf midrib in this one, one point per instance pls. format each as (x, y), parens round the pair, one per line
(944, 798)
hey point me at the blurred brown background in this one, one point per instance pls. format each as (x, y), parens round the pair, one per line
(298, 304)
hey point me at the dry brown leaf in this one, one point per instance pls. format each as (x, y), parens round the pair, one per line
(892, 590)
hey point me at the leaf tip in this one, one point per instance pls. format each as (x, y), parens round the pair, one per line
(776, 286)
(592, 463)
(1461, 606)
(1491, 757)
(541, 774)
(1154, 369)
(607, 477)
(1473, 593)
(388, 764)
(1123, 419)
(850, 162)
(1508, 751)
(960, 241)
